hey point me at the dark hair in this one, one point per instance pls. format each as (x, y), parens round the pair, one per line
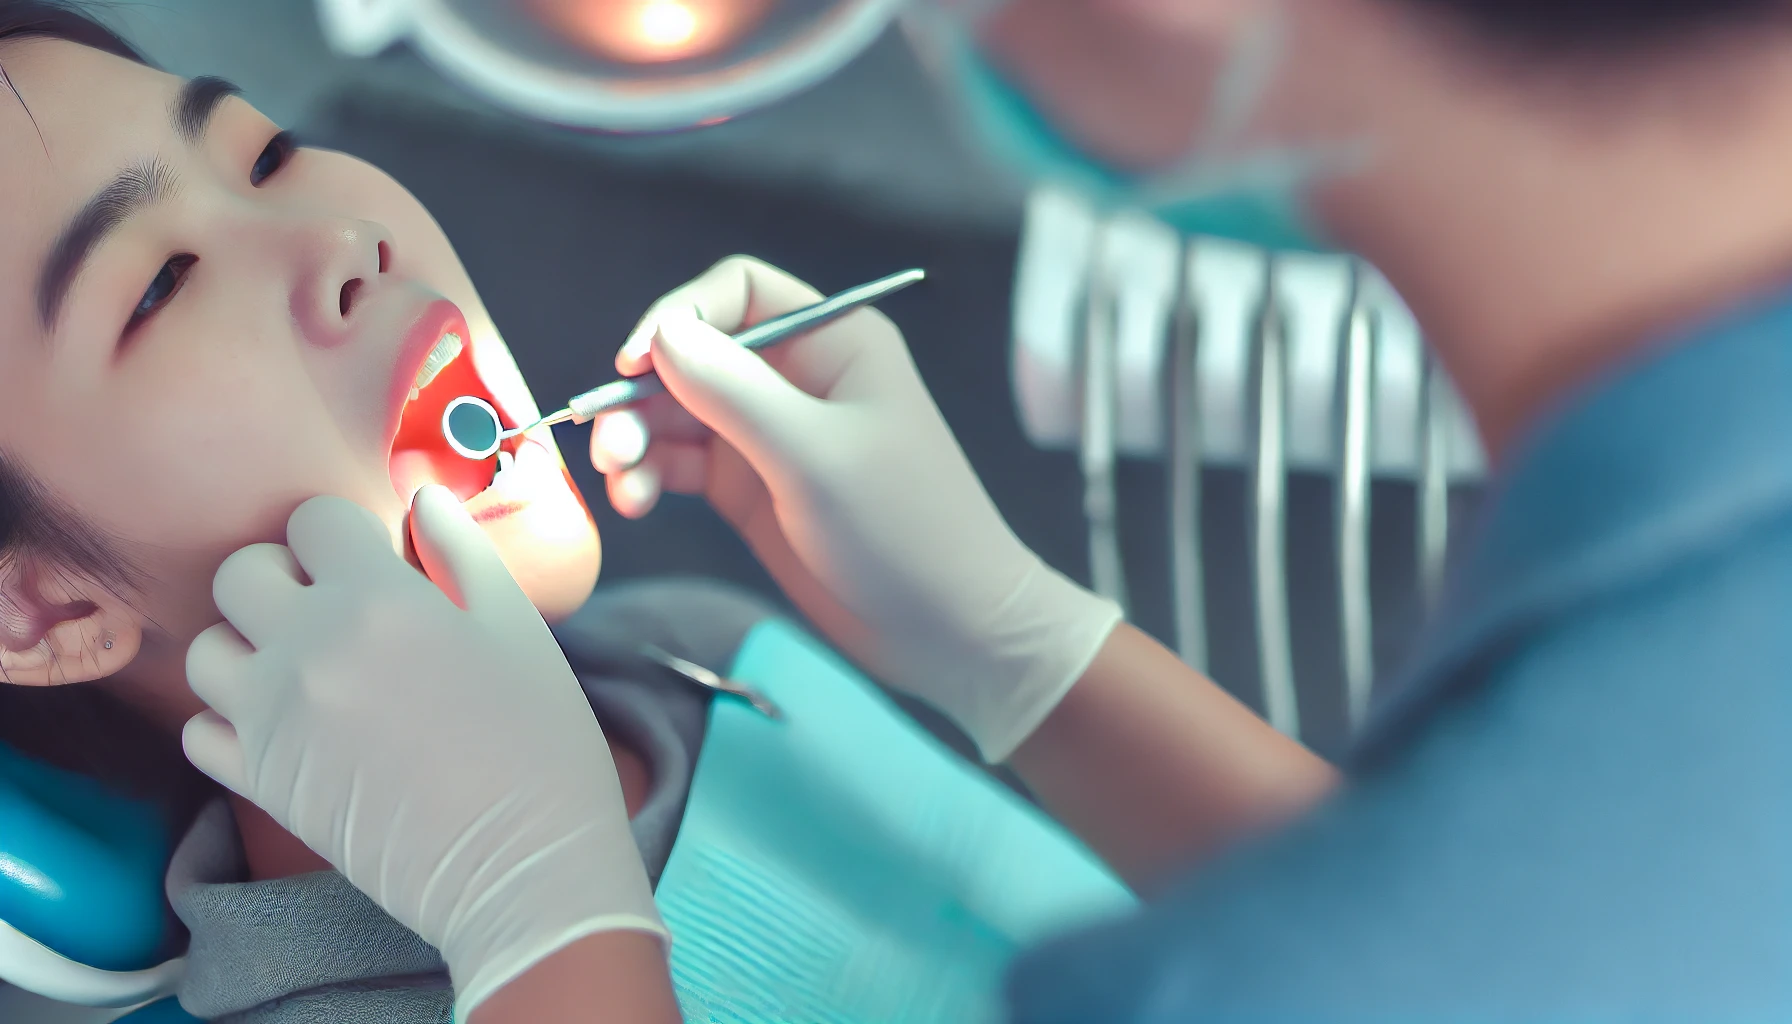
(62, 19)
(75, 726)
(1602, 28)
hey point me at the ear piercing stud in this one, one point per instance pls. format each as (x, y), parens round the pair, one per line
(107, 642)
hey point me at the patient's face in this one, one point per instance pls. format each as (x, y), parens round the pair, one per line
(242, 340)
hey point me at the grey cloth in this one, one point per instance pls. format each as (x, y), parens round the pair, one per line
(313, 948)
(260, 950)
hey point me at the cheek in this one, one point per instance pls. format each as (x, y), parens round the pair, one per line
(218, 426)
(199, 474)
(233, 474)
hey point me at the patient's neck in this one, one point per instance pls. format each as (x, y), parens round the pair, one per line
(273, 852)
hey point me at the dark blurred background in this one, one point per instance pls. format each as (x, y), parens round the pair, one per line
(570, 237)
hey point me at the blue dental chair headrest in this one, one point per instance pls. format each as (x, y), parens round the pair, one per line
(82, 916)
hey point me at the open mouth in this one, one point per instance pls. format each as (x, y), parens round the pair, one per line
(421, 455)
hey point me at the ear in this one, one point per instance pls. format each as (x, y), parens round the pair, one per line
(56, 629)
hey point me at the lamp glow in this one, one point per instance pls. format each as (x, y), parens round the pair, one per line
(667, 24)
(651, 31)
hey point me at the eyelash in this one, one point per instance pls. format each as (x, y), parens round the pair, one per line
(167, 282)
(280, 149)
(173, 274)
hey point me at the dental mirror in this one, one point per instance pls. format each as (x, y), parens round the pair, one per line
(471, 427)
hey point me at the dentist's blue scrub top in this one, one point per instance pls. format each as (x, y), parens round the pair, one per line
(1578, 806)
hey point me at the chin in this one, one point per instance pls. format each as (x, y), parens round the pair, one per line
(560, 584)
(552, 549)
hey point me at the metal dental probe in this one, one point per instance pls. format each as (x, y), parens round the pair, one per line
(715, 681)
(478, 420)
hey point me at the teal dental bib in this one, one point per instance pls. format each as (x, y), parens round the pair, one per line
(842, 866)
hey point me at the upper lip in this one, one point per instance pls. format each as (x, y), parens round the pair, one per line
(437, 318)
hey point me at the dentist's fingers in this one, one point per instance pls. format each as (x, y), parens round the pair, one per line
(634, 492)
(736, 293)
(212, 746)
(683, 466)
(218, 669)
(618, 441)
(735, 392)
(258, 588)
(675, 467)
(632, 359)
(334, 538)
(460, 559)
(620, 438)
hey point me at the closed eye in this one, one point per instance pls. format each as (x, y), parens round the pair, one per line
(173, 274)
(273, 157)
(163, 287)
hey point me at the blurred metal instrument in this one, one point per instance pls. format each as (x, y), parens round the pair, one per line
(1333, 379)
(1356, 412)
(1269, 528)
(1187, 584)
(1434, 481)
(1101, 502)
(711, 680)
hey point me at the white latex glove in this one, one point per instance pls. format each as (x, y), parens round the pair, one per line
(831, 460)
(428, 739)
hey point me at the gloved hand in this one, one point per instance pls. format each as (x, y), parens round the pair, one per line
(829, 457)
(427, 738)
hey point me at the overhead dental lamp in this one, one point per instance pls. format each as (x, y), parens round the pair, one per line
(652, 31)
(621, 66)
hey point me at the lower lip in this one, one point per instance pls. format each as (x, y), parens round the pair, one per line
(502, 510)
(511, 494)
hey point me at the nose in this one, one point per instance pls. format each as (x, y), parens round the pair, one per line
(339, 266)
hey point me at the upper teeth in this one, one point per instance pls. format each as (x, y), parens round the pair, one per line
(445, 351)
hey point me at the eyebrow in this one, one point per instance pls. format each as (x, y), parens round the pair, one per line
(193, 107)
(134, 189)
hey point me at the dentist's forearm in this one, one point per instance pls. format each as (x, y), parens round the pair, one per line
(1157, 768)
(611, 977)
